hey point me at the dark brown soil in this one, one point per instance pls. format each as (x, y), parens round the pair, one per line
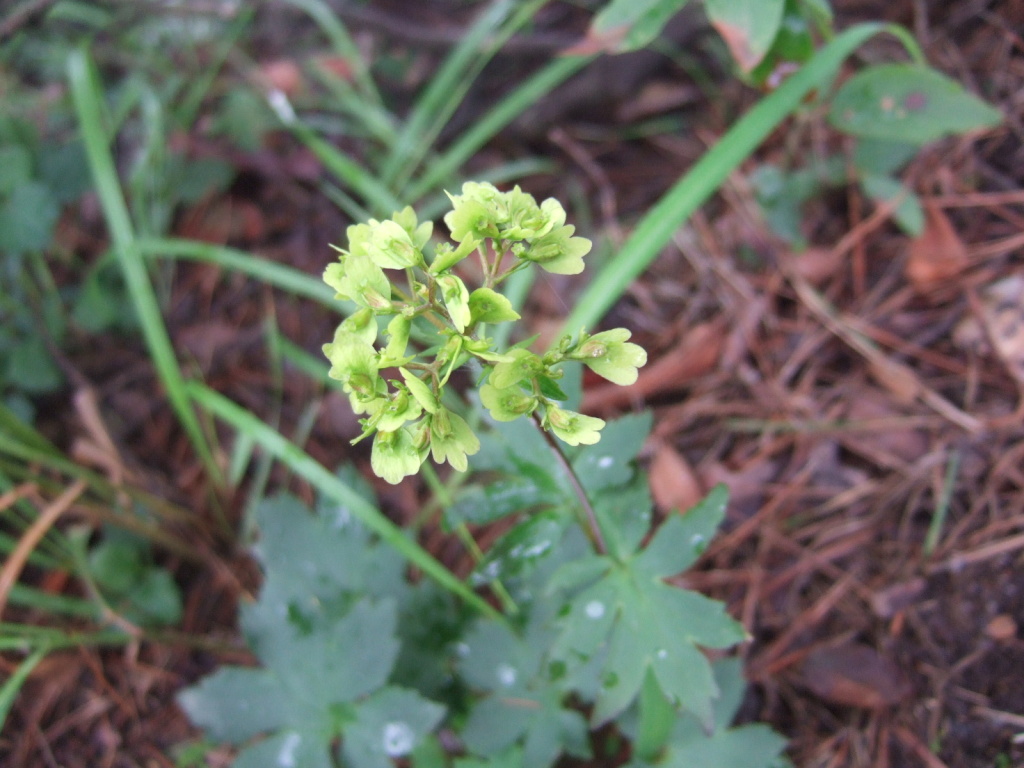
(833, 390)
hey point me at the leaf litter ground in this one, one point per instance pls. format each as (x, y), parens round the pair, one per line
(847, 394)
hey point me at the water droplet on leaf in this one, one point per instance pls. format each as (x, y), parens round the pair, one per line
(506, 675)
(398, 739)
(594, 609)
(286, 755)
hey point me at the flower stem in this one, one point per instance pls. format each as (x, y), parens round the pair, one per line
(587, 516)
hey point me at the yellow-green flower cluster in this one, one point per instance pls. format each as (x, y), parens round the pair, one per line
(398, 385)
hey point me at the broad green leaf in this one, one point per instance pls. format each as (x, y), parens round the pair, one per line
(494, 658)
(31, 369)
(27, 218)
(517, 552)
(589, 620)
(579, 573)
(751, 746)
(430, 623)
(881, 156)
(512, 758)
(316, 555)
(494, 725)
(343, 662)
(317, 683)
(907, 103)
(116, 563)
(15, 167)
(747, 26)
(624, 513)
(627, 25)
(908, 213)
(389, 724)
(293, 748)
(155, 599)
(525, 705)
(65, 170)
(646, 624)
(684, 536)
(480, 504)
(235, 703)
(610, 462)
(656, 716)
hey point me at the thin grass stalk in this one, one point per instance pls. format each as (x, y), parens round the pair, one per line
(439, 170)
(88, 107)
(445, 90)
(653, 232)
(343, 44)
(361, 180)
(303, 465)
(9, 690)
(266, 271)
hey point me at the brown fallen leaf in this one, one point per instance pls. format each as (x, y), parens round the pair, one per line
(887, 602)
(817, 265)
(1002, 628)
(1001, 307)
(674, 484)
(607, 41)
(854, 675)
(283, 75)
(739, 45)
(938, 254)
(874, 406)
(746, 483)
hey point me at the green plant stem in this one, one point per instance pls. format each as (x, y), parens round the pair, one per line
(586, 515)
(86, 96)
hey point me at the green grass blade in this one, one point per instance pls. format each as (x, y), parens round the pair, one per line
(196, 92)
(13, 429)
(303, 465)
(88, 107)
(342, 43)
(266, 271)
(485, 128)
(63, 605)
(656, 228)
(10, 688)
(931, 539)
(450, 85)
(20, 637)
(359, 179)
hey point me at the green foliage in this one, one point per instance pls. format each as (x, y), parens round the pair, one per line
(406, 416)
(909, 104)
(325, 629)
(37, 177)
(887, 107)
(121, 566)
(360, 666)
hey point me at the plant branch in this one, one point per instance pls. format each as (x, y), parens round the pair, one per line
(588, 520)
